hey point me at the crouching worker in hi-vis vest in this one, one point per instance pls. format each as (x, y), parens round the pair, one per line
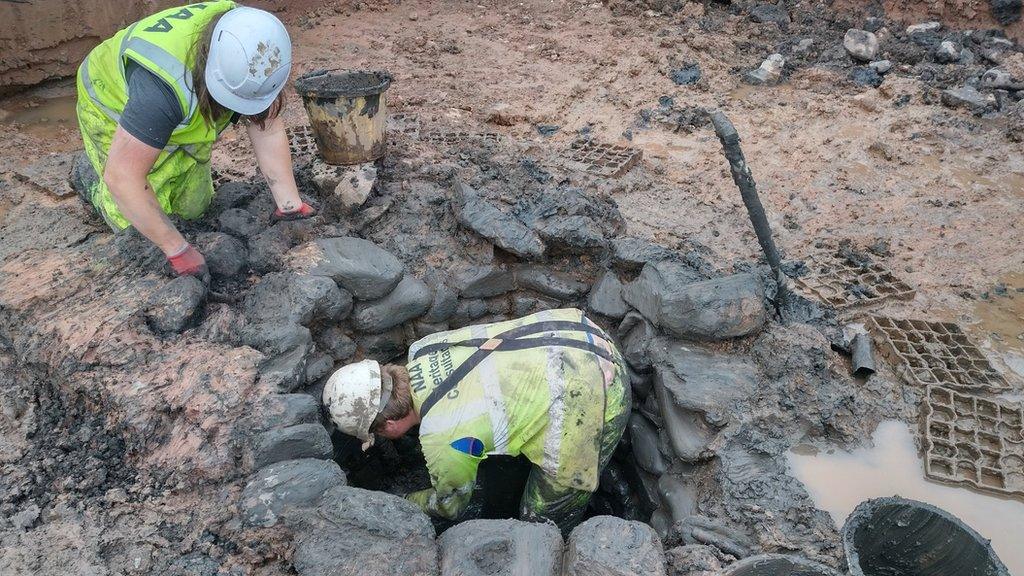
(153, 99)
(551, 387)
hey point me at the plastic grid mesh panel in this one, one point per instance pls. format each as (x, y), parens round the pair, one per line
(223, 175)
(301, 142)
(458, 137)
(842, 284)
(974, 440)
(608, 160)
(935, 353)
(405, 124)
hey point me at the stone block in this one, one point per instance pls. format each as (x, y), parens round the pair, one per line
(488, 547)
(279, 490)
(610, 546)
(292, 443)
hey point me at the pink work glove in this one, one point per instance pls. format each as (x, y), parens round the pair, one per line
(300, 213)
(188, 262)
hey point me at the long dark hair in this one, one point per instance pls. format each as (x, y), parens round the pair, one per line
(210, 108)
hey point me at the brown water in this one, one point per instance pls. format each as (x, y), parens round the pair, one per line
(838, 481)
(1001, 322)
(40, 116)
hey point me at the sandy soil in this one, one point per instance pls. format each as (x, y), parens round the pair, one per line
(937, 192)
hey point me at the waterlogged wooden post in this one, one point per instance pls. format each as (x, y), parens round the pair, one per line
(748, 190)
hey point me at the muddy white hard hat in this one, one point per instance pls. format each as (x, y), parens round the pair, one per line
(354, 395)
(249, 61)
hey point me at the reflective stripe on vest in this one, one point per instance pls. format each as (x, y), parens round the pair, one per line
(162, 58)
(174, 68)
(511, 340)
(91, 91)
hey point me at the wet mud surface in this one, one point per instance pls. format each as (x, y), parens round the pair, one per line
(126, 445)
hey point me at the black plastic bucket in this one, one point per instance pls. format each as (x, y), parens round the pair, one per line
(347, 112)
(896, 536)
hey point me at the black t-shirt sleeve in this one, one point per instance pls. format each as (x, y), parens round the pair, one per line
(152, 111)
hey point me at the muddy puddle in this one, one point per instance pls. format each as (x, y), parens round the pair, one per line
(1000, 316)
(837, 481)
(40, 116)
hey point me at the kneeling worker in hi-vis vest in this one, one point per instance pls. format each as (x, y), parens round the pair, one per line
(551, 387)
(153, 99)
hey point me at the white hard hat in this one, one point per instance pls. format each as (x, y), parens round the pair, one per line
(249, 61)
(354, 395)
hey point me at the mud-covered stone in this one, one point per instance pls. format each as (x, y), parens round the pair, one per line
(335, 342)
(574, 234)
(630, 254)
(696, 389)
(467, 311)
(640, 383)
(643, 437)
(636, 334)
(861, 44)
(970, 98)
(443, 304)
(267, 249)
(274, 338)
(410, 299)
(235, 195)
(366, 270)
(716, 309)
(343, 187)
(225, 255)
(694, 560)
(424, 329)
(484, 281)
(610, 546)
(385, 346)
(280, 489)
(239, 223)
(176, 305)
(770, 13)
(292, 443)
(659, 282)
(488, 547)
(366, 533)
(503, 229)
(286, 348)
(768, 73)
(678, 500)
(289, 297)
(286, 410)
(317, 366)
(549, 282)
(697, 529)
(606, 297)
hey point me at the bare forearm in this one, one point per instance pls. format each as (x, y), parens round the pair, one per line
(275, 161)
(137, 202)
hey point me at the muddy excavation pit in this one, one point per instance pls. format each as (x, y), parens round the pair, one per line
(180, 424)
(701, 470)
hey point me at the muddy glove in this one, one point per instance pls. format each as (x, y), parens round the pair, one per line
(188, 262)
(300, 213)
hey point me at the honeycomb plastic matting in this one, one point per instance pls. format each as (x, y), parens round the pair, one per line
(974, 440)
(607, 160)
(935, 353)
(842, 284)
